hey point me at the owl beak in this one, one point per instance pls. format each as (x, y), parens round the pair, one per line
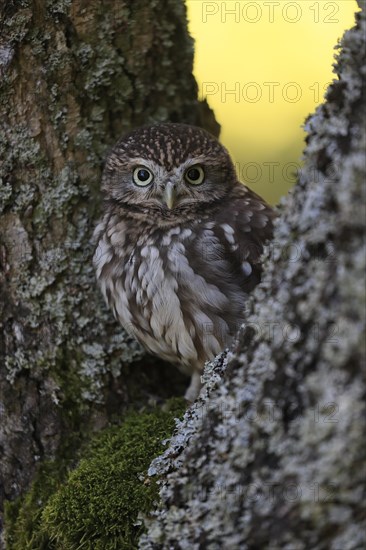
(169, 195)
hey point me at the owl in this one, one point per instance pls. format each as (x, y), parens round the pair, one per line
(178, 249)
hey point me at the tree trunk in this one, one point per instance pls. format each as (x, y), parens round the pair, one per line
(273, 454)
(74, 75)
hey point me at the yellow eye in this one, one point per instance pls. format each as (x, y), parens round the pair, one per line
(142, 176)
(195, 175)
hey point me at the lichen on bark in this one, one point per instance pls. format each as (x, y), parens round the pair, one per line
(271, 454)
(75, 74)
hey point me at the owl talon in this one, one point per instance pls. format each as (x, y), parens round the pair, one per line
(194, 388)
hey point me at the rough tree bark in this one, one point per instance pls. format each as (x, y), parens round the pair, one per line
(74, 75)
(273, 454)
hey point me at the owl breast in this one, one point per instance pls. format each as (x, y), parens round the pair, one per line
(173, 290)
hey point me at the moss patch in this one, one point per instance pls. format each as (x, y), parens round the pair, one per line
(96, 505)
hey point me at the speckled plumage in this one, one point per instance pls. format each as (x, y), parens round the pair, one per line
(178, 278)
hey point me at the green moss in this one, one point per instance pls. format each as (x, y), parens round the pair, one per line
(98, 504)
(23, 517)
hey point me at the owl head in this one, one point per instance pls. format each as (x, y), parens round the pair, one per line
(168, 168)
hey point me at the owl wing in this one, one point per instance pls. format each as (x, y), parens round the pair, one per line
(232, 242)
(219, 264)
(250, 220)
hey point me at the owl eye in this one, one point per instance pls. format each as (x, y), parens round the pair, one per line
(195, 175)
(142, 176)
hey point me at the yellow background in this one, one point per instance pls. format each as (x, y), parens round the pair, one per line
(276, 58)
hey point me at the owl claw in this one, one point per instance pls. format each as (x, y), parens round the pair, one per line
(194, 388)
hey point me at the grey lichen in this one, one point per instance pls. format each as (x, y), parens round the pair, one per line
(271, 455)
